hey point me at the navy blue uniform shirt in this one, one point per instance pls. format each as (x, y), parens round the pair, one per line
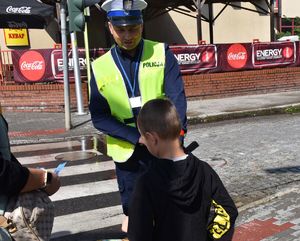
(173, 88)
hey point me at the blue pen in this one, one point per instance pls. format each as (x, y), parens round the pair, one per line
(59, 168)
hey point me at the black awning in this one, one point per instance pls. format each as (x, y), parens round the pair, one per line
(24, 14)
(188, 3)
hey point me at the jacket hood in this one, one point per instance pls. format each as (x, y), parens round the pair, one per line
(182, 181)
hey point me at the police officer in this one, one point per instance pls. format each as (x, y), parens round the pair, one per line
(132, 72)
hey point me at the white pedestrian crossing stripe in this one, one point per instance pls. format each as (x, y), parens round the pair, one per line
(83, 190)
(84, 184)
(99, 218)
(87, 168)
(37, 147)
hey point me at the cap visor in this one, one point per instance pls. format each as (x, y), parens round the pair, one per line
(126, 21)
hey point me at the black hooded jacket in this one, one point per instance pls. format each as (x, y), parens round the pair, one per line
(13, 176)
(173, 201)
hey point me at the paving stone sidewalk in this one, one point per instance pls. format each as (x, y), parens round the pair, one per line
(277, 219)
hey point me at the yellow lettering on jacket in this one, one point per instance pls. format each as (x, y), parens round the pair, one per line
(221, 222)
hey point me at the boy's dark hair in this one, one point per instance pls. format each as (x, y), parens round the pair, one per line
(160, 116)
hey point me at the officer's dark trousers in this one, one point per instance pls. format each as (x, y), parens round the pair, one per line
(126, 177)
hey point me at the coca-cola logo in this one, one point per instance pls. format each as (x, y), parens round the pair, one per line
(32, 65)
(287, 52)
(237, 56)
(19, 10)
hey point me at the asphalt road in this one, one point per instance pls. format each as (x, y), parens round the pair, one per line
(258, 159)
(255, 157)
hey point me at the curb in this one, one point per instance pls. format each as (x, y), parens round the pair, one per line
(284, 109)
(48, 139)
(268, 198)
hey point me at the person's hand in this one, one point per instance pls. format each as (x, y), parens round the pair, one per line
(53, 186)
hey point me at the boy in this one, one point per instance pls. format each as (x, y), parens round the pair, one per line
(179, 198)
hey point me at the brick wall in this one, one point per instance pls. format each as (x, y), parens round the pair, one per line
(39, 97)
(50, 97)
(227, 84)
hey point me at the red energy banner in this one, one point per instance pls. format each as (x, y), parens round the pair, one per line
(46, 65)
(57, 61)
(273, 54)
(196, 58)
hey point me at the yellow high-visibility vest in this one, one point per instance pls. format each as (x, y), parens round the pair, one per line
(111, 85)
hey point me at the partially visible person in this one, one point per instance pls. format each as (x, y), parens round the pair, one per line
(16, 178)
(179, 197)
(132, 72)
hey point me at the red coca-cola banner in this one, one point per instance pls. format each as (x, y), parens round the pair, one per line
(32, 65)
(46, 65)
(237, 56)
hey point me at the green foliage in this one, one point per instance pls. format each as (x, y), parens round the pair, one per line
(281, 34)
(286, 21)
(287, 31)
(293, 109)
(297, 31)
(297, 21)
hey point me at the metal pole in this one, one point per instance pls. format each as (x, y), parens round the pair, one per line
(65, 67)
(211, 22)
(78, 87)
(199, 26)
(86, 45)
(272, 20)
(87, 49)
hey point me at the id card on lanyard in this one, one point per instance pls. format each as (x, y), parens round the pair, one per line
(135, 102)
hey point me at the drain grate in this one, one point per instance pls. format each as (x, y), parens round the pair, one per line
(217, 162)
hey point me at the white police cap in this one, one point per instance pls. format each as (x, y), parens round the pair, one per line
(124, 12)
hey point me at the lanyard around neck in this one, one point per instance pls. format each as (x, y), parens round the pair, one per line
(132, 87)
